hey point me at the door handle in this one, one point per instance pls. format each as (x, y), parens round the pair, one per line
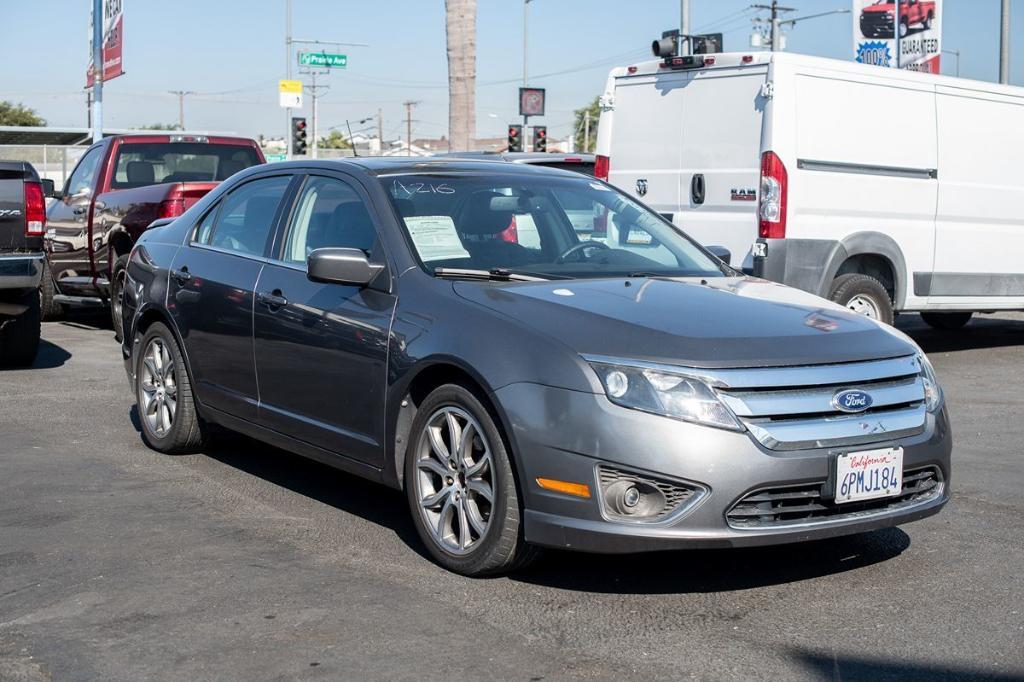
(181, 276)
(272, 300)
(697, 188)
(80, 210)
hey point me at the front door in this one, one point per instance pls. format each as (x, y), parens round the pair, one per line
(67, 229)
(210, 292)
(321, 349)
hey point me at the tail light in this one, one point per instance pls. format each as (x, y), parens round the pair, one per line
(35, 210)
(172, 206)
(511, 233)
(771, 207)
(602, 165)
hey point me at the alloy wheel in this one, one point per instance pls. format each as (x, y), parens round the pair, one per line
(158, 387)
(454, 481)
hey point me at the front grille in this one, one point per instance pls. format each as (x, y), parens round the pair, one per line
(793, 408)
(663, 497)
(802, 504)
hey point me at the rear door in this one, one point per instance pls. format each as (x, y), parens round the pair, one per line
(211, 287)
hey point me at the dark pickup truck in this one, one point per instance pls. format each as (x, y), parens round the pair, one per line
(121, 185)
(22, 224)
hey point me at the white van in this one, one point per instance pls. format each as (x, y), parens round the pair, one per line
(881, 189)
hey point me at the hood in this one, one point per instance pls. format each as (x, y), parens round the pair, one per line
(876, 9)
(718, 322)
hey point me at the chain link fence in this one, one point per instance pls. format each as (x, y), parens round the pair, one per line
(51, 161)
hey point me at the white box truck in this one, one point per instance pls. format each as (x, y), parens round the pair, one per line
(881, 189)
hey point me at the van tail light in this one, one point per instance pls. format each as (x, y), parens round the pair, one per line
(35, 210)
(771, 208)
(602, 165)
(173, 205)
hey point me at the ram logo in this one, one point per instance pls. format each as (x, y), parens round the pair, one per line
(742, 194)
(641, 186)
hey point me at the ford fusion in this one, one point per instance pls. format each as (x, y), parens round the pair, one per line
(533, 357)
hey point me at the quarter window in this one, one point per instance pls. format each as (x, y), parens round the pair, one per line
(329, 213)
(245, 217)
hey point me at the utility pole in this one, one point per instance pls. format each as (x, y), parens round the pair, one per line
(586, 131)
(776, 29)
(314, 93)
(1004, 42)
(97, 70)
(380, 130)
(526, 70)
(684, 24)
(288, 75)
(181, 105)
(409, 104)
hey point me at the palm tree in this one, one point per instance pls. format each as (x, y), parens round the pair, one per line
(460, 30)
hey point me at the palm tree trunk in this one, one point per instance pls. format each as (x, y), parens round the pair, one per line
(460, 29)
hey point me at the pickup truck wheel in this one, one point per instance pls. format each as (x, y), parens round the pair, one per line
(117, 278)
(460, 486)
(51, 309)
(19, 336)
(904, 27)
(163, 394)
(946, 321)
(864, 295)
(928, 22)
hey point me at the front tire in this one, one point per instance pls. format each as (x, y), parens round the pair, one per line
(904, 28)
(117, 278)
(946, 321)
(163, 394)
(864, 295)
(460, 486)
(19, 336)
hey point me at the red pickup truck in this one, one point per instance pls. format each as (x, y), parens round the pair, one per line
(121, 185)
(878, 20)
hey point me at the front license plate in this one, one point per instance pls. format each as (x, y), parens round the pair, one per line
(869, 475)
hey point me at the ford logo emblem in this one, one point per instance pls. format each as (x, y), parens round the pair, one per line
(852, 401)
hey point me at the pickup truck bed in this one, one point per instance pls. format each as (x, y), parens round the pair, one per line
(21, 263)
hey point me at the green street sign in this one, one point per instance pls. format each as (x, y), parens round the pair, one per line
(325, 59)
(271, 158)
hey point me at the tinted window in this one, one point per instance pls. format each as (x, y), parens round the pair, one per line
(245, 217)
(138, 165)
(84, 175)
(328, 213)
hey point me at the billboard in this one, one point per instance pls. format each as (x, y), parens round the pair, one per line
(902, 34)
(113, 42)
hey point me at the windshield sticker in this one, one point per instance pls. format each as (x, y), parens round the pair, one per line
(405, 190)
(435, 237)
(597, 185)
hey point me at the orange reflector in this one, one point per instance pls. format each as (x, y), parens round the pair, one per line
(577, 489)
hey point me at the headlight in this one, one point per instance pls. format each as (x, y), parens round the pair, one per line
(932, 390)
(665, 393)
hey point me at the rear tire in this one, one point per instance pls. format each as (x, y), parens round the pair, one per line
(51, 309)
(458, 480)
(117, 275)
(946, 321)
(863, 294)
(19, 336)
(163, 394)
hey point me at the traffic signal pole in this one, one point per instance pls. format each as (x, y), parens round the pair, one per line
(288, 75)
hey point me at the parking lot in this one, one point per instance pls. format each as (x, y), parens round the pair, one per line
(246, 562)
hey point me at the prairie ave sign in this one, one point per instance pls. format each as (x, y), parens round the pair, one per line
(325, 59)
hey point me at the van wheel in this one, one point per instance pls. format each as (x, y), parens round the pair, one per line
(460, 486)
(946, 321)
(163, 394)
(117, 277)
(864, 295)
(19, 336)
(50, 308)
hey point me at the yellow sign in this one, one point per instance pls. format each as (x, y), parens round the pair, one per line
(291, 87)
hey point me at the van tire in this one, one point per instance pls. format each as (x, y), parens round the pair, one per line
(946, 321)
(19, 336)
(865, 292)
(51, 309)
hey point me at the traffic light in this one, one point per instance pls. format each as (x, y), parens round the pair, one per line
(540, 138)
(515, 138)
(298, 136)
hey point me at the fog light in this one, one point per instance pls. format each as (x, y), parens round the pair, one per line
(631, 497)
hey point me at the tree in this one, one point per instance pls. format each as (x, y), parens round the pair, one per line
(12, 114)
(585, 143)
(335, 140)
(460, 32)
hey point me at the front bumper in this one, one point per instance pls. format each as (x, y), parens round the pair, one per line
(565, 435)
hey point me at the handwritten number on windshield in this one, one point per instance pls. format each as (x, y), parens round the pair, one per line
(399, 189)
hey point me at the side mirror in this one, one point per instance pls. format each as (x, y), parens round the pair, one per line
(341, 266)
(721, 253)
(49, 191)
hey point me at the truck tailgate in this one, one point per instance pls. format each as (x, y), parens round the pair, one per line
(12, 212)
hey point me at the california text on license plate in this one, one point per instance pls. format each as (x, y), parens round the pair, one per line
(869, 474)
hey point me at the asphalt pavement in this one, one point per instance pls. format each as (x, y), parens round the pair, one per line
(246, 562)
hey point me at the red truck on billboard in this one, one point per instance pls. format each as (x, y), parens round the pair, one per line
(878, 20)
(121, 185)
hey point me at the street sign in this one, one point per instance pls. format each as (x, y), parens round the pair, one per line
(290, 94)
(531, 101)
(324, 59)
(271, 158)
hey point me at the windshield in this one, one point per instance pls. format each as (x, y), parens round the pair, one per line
(541, 225)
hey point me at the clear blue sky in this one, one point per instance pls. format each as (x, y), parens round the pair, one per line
(232, 53)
